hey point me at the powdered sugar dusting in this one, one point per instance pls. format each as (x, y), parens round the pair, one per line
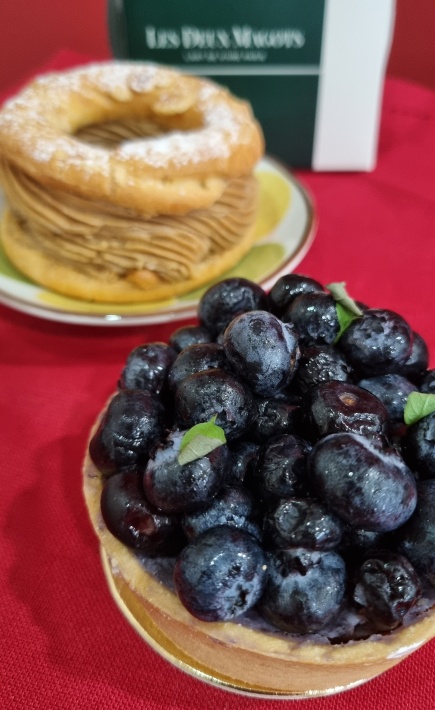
(176, 149)
(150, 78)
(70, 152)
(216, 140)
(208, 92)
(114, 78)
(22, 113)
(107, 76)
(37, 128)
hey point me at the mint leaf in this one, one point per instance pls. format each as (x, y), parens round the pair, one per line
(347, 309)
(345, 318)
(418, 405)
(200, 440)
(339, 294)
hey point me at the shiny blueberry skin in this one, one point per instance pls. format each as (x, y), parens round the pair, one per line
(189, 335)
(313, 513)
(392, 390)
(287, 288)
(378, 343)
(147, 368)
(133, 421)
(340, 406)
(419, 447)
(232, 506)
(227, 299)
(274, 417)
(220, 574)
(196, 358)
(262, 350)
(176, 488)
(302, 522)
(129, 516)
(416, 365)
(282, 467)
(304, 590)
(416, 539)
(314, 316)
(202, 395)
(386, 587)
(244, 455)
(427, 385)
(364, 485)
(356, 544)
(321, 363)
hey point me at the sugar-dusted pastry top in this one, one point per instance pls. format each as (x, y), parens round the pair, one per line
(206, 136)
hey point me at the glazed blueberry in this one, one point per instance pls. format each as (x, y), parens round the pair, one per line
(227, 299)
(262, 350)
(314, 316)
(147, 368)
(196, 358)
(366, 486)
(416, 539)
(386, 587)
(416, 364)
(244, 455)
(268, 519)
(304, 590)
(282, 467)
(130, 517)
(176, 488)
(132, 423)
(221, 574)
(378, 343)
(202, 395)
(302, 522)
(232, 506)
(189, 335)
(427, 385)
(274, 417)
(339, 406)
(419, 447)
(392, 390)
(321, 363)
(357, 542)
(287, 288)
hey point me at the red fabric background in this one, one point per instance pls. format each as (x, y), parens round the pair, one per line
(63, 644)
(34, 31)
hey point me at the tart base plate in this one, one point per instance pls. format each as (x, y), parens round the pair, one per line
(145, 623)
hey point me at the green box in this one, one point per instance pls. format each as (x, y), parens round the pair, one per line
(310, 70)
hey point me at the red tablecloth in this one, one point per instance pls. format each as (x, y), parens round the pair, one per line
(63, 644)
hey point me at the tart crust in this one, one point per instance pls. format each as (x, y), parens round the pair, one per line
(234, 655)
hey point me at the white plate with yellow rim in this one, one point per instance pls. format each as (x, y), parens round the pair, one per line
(284, 233)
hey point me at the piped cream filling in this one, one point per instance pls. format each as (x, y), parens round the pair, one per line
(107, 241)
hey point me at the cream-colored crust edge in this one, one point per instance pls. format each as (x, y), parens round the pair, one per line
(237, 652)
(135, 613)
(46, 271)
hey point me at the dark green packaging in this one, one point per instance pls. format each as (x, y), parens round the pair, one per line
(312, 74)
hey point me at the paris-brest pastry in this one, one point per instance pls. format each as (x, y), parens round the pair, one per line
(127, 181)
